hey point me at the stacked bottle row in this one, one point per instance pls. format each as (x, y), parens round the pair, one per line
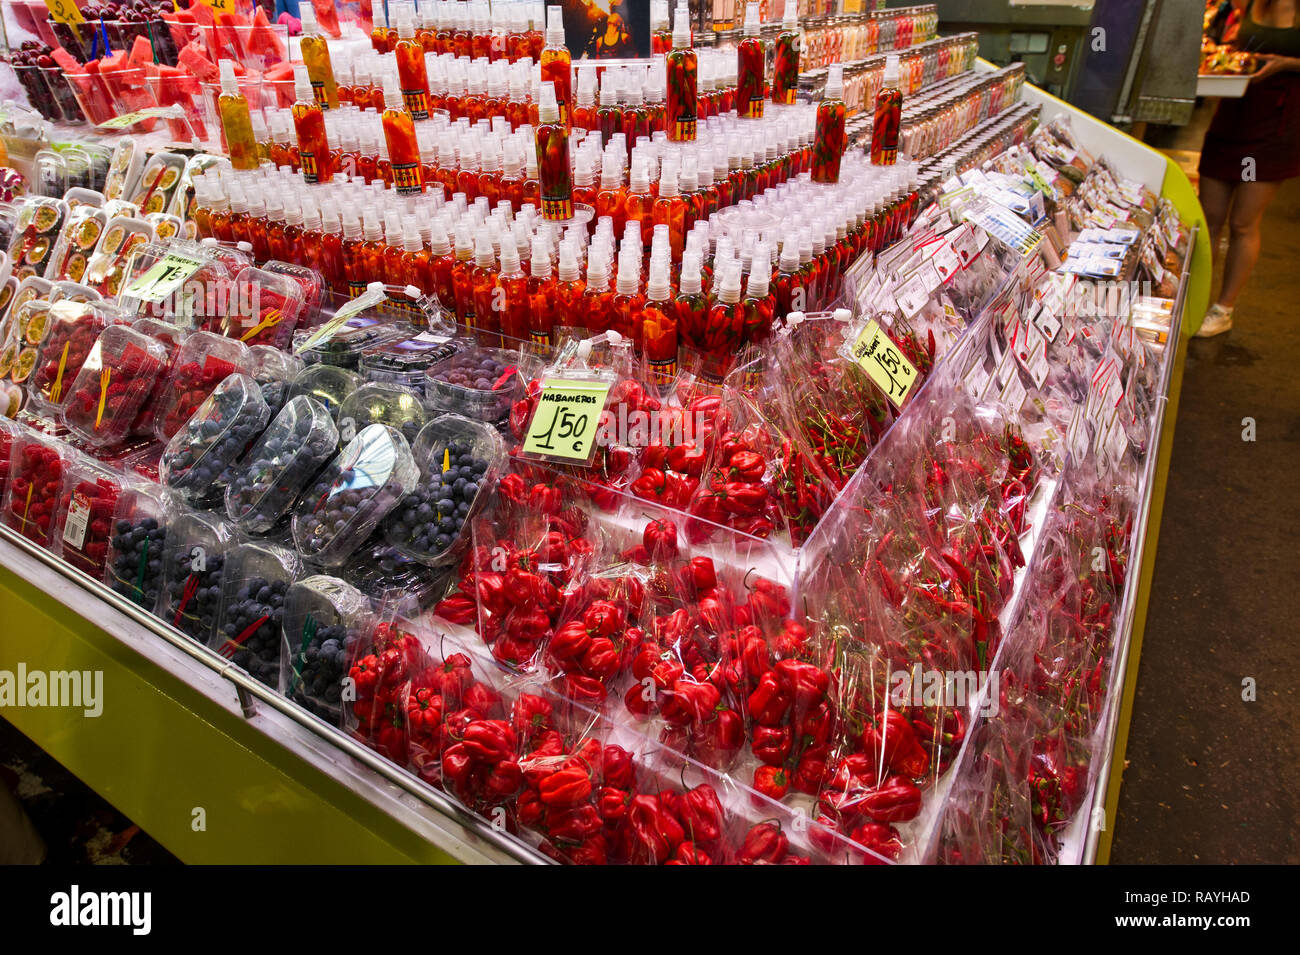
(514, 275)
(501, 30)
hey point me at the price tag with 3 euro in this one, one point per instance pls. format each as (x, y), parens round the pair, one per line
(567, 420)
(65, 11)
(877, 355)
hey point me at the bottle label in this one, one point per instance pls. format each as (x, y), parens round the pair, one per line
(355, 289)
(755, 109)
(663, 371)
(557, 208)
(417, 103)
(684, 129)
(318, 92)
(307, 160)
(539, 338)
(407, 178)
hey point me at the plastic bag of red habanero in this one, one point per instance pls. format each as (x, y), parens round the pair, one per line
(379, 682)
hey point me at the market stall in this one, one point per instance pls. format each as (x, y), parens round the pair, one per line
(638, 463)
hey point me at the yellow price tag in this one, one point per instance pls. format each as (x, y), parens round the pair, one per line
(223, 6)
(879, 357)
(567, 418)
(165, 276)
(65, 11)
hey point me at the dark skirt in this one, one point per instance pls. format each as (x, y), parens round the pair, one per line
(1263, 125)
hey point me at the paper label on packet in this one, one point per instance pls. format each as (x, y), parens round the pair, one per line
(74, 528)
(878, 356)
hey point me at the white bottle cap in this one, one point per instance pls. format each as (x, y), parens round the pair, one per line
(229, 85)
(554, 26)
(302, 84)
(891, 70)
(835, 82)
(682, 27)
(541, 258)
(751, 19)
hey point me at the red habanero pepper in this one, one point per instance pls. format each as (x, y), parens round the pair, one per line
(772, 781)
(688, 853)
(894, 743)
(765, 844)
(618, 767)
(810, 772)
(489, 741)
(807, 683)
(660, 539)
(564, 788)
(879, 838)
(746, 466)
(654, 833)
(690, 703)
(771, 745)
(700, 812)
(770, 700)
(458, 608)
(897, 799)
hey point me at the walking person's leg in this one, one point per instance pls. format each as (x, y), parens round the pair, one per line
(1216, 201)
(1249, 202)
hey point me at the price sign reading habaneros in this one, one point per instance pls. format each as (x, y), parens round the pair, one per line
(880, 358)
(567, 419)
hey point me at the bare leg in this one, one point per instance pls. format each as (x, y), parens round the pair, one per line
(1249, 201)
(1216, 197)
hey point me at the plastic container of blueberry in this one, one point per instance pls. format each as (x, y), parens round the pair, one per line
(328, 384)
(135, 551)
(274, 370)
(203, 361)
(405, 361)
(459, 463)
(324, 618)
(195, 460)
(344, 348)
(119, 375)
(477, 383)
(194, 557)
(374, 403)
(393, 580)
(292, 449)
(257, 579)
(354, 493)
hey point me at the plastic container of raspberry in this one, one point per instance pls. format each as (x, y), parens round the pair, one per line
(266, 310)
(89, 498)
(196, 459)
(9, 430)
(122, 371)
(31, 501)
(292, 449)
(459, 461)
(72, 330)
(309, 280)
(353, 494)
(203, 361)
(325, 618)
(256, 580)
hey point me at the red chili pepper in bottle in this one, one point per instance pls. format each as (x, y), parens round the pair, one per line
(682, 109)
(557, 67)
(411, 74)
(887, 117)
(541, 293)
(403, 149)
(567, 296)
(751, 65)
(785, 58)
(829, 139)
(555, 177)
(657, 327)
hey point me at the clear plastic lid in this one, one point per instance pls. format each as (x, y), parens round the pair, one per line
(161, 176)
(123, 369)
(459, 462)
(405, 360)
(31, 501)
(135, 554)
(124, 168)
(394, 580)
(256, 581)
(375, 403)
(203, 362)
(275, 371)
(107, 270)
(74, 292)
(9, 429)
(194, 557)
(479, 383)
(328, 384)
(325, 618)
(310, 281)
(72, 328)
(265, 311)
(195, 460)
(265, 484)
(199, 300)
(358, 334)
(35, 232)
(365, 481)
(77, 243)
(89, 498)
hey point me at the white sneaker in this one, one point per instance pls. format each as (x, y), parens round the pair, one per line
(1217, 321)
